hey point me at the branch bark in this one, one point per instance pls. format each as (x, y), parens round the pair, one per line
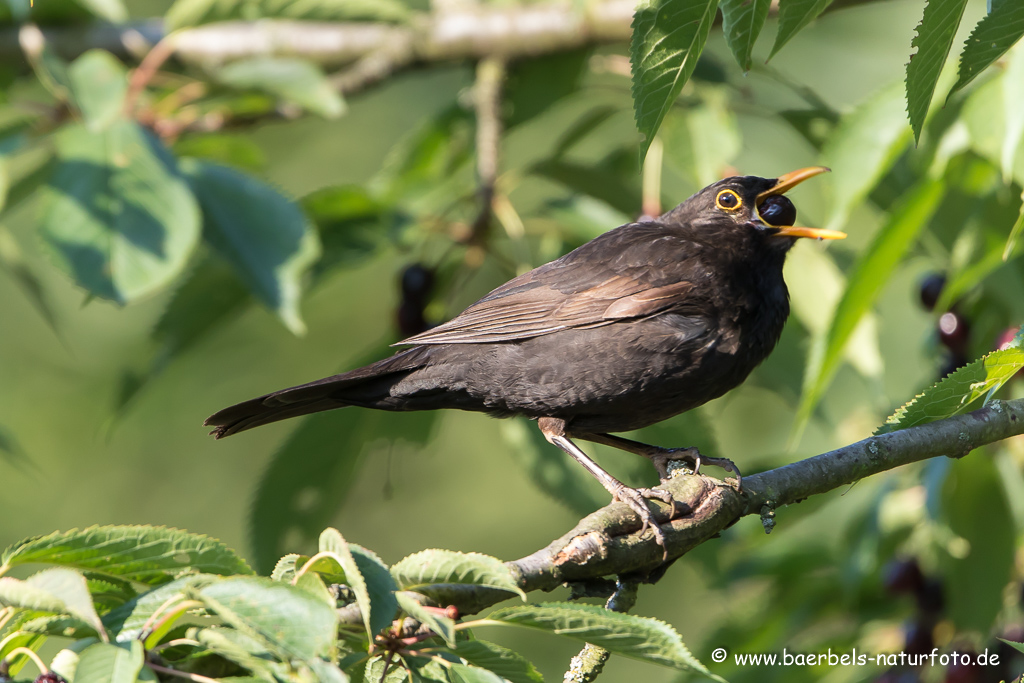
(605, 543)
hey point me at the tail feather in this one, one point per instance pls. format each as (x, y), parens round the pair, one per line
(356, 387)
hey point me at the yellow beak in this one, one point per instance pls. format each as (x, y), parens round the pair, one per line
(788, 181)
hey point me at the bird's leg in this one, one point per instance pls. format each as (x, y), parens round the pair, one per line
(553, 430)
(662, 456)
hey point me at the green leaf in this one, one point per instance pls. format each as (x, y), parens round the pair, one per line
(144, 554)
(1019, 647)
(631, 636)
(958, 391)
(351, 223)
(265, 236)
(69, 587)
(934, 37)
(98, 83)
(991, 38)
(106, 663)
(119, 218)
(862, 149)
(553, 473)
(1013, 113)
(419, 571)
(508, 664)
(368, 578)
(185, 13)
(127, 621)
(112, 11)
(285, 618)
(295, 80)
(310, 468)
(866, 282)
(1015, 231)
(794, 15)
(286, 567)
(742, 21)
(668, 37)
(235, 646)
(439, 624)
(396, 672)
(460, 673)
(223, 148)
(974, 506)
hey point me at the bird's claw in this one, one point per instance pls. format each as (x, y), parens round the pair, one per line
(636, 499)
(729, 466)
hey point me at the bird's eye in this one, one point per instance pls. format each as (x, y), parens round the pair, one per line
(728, 200)
(777, 210)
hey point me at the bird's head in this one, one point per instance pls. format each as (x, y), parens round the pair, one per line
(749, 208)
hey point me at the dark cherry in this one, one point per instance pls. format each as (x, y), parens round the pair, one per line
(777, 210)
(49, 677)
(903, 576)
(1005, 337)
(417, 282)
(931, 289)
(918, 640)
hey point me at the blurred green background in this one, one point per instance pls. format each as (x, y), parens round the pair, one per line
(79, 455)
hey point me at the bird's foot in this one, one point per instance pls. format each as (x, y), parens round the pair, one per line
(636, 499)
(693, 458)
(729, 466)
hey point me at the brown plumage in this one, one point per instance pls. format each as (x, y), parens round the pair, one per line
(642, 323)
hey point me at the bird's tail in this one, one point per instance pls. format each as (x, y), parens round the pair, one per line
(366, 386)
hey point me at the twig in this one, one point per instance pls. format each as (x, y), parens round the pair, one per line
(490, 79)
(605, 543)
(589, 663)
(151, 63)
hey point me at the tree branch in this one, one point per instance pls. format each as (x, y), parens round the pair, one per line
(605, 542)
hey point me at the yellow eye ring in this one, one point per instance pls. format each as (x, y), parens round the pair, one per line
(727, 200)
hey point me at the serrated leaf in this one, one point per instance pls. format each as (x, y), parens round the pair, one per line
(310, 467)
(866, 282)
(286, 619)
(550, 470)
(742, 21)
(127, 621)
(396, 672)
(934, 37)
(264, 235)
(1019, 647)
(862, 149)
(69, 587)
(286, 567)
(508, 664)
(98, 83)
(631, 636)
(419, 571)
(439, 624)
(991, 38)
(242, 649)
(958, 391)
(326, 672)
(119, 218)
(668, 37)
(368, 578)
(794, 15)
(185, 13)
(144, 554)
(64, 626)
(106, 663)
(294, 80)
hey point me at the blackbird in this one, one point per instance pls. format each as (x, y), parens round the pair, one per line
(647, 321)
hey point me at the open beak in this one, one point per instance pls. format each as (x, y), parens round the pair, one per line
(788, 181)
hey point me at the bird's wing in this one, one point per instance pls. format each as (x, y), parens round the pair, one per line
(534, 305)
